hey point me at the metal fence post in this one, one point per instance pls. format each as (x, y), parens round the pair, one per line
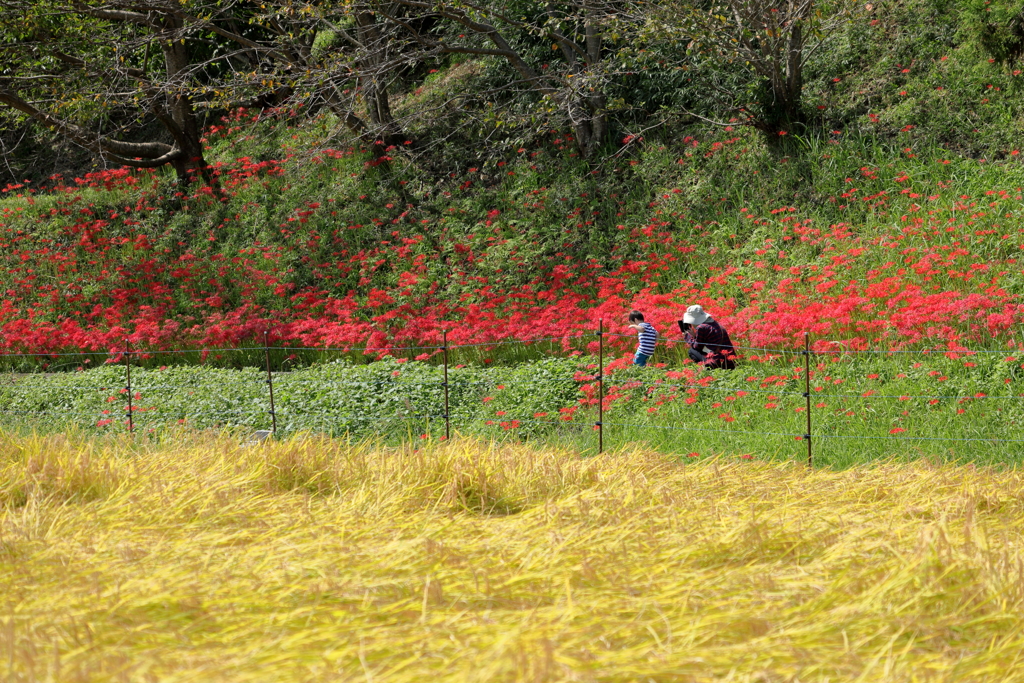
(270, 381)
(447, 417)
(128, 373)
(600, 386)
(807, 394)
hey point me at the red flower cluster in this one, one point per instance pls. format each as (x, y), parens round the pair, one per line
(87, 277)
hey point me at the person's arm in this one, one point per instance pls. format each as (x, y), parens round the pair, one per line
(711, 337)
(688, 337)
(702, 339)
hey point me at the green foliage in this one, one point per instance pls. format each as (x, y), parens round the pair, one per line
(911, 91)
(864, 407)
(324, 41)
(390, 397)
(997, 26)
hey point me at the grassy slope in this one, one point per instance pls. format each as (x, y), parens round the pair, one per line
(310, 561)
(914, 155)
(897, 224)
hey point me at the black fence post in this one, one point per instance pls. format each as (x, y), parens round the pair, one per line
(600, 386)
(447, 418)
(128, 373)
(270, 381)
(807, 394)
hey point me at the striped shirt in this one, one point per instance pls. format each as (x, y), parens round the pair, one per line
(648, 337)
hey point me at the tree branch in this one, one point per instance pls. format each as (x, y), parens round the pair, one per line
(116, 15)
(100, 145)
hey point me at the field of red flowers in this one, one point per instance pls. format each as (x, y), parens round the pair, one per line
(322, 248)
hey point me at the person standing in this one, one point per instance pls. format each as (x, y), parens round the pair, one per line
(709, 343)
(648, 338)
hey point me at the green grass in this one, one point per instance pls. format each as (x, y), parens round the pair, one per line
(966, 408)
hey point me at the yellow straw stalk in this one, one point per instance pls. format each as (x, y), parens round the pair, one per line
(314, 560)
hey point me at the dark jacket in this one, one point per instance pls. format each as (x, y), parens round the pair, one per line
(711, 341)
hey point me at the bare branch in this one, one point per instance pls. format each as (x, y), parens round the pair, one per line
(145, 150)
(116, 15)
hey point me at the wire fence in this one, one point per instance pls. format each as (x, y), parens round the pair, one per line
(264, 409)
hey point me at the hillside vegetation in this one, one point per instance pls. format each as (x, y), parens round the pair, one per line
(882, 219)
(889, 218)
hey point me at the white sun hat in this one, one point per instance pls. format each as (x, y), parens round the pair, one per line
(695, 315)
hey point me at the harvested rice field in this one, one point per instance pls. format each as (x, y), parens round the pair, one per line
(317, 560)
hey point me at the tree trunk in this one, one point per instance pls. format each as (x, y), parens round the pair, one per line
(588, 126)
(794, 75)
(179, 116)
(374, 81)
(589, 118)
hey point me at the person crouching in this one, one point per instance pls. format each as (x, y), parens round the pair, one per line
(708, 342)
(648, 338)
